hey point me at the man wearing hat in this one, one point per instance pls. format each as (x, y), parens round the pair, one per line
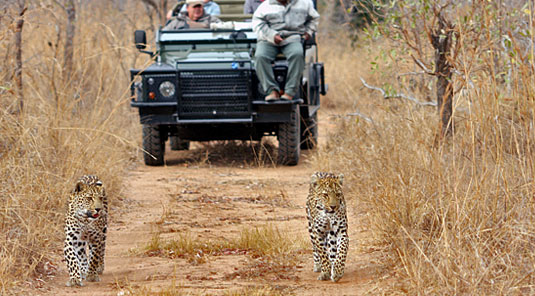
(279, 26)
(193, 18)
(210, 7)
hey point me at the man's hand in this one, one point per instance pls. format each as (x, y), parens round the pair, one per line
(278, 39)
(306, 36)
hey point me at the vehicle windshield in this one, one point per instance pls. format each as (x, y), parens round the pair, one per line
(206, 34)
(180, 47)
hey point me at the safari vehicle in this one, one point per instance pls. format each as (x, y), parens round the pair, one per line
(202, 86)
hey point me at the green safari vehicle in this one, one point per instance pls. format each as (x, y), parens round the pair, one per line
(202, 86)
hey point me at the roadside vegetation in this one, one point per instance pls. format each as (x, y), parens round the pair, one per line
(69, 125)
(450, 213)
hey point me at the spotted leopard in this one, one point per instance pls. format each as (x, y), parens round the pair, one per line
(327, 224)
(85, 227)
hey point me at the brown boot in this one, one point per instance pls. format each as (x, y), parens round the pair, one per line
(273, 96)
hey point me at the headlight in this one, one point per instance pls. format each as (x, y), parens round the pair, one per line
(167, 89)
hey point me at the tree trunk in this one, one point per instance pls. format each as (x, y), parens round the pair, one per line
(119, 5)
(68, 52)
(163, 16)
(442, 42)
(18, 55)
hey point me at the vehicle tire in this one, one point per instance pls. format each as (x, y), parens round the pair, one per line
(153, 145)
(289, 136)
(309, 132)
(177, 144)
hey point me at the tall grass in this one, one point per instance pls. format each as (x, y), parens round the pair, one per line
(452, 217)
(70, 126)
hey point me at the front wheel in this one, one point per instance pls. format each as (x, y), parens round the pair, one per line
(153, 145)
(289, 136)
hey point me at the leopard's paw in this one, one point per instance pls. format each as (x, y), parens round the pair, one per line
(324, 276)
(93, 278)
(74, 283)
(336, 277)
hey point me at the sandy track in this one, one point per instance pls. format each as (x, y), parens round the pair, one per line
(210, 202)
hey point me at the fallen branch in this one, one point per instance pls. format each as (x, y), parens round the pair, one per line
(397, 96)
(358, 114)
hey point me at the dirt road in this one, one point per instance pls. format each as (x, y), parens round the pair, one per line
(214, 193)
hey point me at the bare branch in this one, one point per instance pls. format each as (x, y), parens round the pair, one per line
(397, 96)
(412, 73)
(422, 66)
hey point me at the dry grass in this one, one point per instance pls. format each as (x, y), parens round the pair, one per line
(70, 126)
(126, 288)
(185, 246)
(257, 291)
(271, 254)
(265, 241)
(452, 217)
(269, 241)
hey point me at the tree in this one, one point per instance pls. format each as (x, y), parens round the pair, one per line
(21, 4)
(446, 39)
(68, 51)
(158, 6)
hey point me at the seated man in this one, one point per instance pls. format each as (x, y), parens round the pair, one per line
(193, 18)
(279, 25)
(210, 7)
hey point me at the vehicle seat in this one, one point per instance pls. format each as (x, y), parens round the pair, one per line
(232, 10)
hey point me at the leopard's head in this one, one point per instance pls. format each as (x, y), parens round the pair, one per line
(87, 198)
(328, 189)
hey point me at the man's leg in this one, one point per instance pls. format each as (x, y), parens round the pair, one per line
(296, 63)
(264, 55)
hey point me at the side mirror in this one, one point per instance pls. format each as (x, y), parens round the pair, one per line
(140, 38)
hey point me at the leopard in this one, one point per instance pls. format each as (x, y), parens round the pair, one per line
(327, 225)
(86, 223)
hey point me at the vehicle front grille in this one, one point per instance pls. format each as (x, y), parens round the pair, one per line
(214, 94)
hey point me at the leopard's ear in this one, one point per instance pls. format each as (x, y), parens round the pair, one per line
(314, 178)
(341, 179)
(78, 187)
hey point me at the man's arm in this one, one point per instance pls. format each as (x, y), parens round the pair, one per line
(214, 19)
(313, 19)
(261, 26)
(175, 24)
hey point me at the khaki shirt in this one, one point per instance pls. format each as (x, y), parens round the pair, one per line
(182, 21)
(297, 17)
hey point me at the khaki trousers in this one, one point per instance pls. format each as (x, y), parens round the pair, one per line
(265, 55)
